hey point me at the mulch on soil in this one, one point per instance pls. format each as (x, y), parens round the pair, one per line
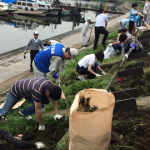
(141, 82)
(49, 137)
(131, 131)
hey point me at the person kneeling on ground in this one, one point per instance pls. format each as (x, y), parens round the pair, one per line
(84, 31)
(50, 59)
(117, 45)
(131, 43)
(36, 91)
(17, 141)
(86, 67)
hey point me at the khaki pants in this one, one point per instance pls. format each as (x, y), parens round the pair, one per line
(37, 73)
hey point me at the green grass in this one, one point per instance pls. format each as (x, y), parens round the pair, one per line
(16, 124)
(113, 34)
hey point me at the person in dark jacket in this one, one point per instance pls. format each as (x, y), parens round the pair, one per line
(19, 143)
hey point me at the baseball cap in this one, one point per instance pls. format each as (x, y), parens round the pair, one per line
(74, 53)
(36, 33)
(88, 19)
(119, 21)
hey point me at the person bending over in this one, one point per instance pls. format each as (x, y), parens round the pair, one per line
(19, 143)
(36, 91)
(117, 45)
(131, 43)
(86, 67)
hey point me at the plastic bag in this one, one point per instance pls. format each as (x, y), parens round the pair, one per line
(91, 130)
(109, 52)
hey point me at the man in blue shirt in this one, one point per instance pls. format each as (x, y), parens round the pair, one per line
(124, 23)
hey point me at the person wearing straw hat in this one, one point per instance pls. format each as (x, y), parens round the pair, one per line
(84, 32)
(51, 58)
(35, 43)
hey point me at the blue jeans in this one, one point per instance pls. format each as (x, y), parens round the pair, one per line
(119, 47)
(11, 100)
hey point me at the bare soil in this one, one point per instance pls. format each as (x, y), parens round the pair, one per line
(49, 137)
(131, 131)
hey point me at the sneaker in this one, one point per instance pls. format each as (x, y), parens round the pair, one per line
(2, 119)
(26, 117)
(43, 109)
(81, 78)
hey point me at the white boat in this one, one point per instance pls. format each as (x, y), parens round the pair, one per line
(5, 10)
(52, 11)
(29, 8)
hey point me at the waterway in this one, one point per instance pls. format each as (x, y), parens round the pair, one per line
(16, 30)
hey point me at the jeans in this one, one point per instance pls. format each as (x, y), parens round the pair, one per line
(119, 47)
(11, 100)
(98, 31)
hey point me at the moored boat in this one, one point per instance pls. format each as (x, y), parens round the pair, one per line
(5, 10)
(29, 8)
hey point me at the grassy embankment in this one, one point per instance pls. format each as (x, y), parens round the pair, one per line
(16, 124)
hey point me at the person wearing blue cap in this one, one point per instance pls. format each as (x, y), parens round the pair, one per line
(84, 32)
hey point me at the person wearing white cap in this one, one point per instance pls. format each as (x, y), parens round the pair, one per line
(124, 23)
(51, 58)
(35, 42)
(84, 31)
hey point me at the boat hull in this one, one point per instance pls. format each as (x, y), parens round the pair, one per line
(53, 12)
(37, 13)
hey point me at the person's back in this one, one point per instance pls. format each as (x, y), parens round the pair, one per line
(88, 59)
(125, 23)
(100, 20)
(42, 58)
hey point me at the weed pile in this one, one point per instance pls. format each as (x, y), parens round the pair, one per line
(141, 82)
(84, 105)
(131, 131)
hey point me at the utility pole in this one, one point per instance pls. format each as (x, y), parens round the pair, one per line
(75, 3)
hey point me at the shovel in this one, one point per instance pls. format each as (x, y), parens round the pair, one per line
(90, 35)
(123, 62)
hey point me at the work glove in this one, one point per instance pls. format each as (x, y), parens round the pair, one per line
(58, 81)
(41, 128)
(57, 117)
(24, 55)
(110, 44)
(126, 56)
(132, 46)
(39, 145)
(103, 73)
(98, 75)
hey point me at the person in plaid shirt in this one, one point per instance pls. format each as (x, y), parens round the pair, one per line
(129, 45)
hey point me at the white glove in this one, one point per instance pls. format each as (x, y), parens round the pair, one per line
(110, 44)
(42, 128)
(39, 145)
(57, 117)
(103, 73)
(98, 75)
(126, 56)
(58, 81)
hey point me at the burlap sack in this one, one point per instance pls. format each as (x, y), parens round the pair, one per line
(91, 131)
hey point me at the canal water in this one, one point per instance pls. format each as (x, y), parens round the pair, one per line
(16, 30)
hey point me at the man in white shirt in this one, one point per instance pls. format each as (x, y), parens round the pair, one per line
(100, 28)
(84, 31)
(145, 10)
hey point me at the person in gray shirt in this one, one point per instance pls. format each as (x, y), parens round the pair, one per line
(35, 42)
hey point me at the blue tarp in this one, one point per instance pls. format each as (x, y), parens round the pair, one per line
(11, 24)
(9, 1)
